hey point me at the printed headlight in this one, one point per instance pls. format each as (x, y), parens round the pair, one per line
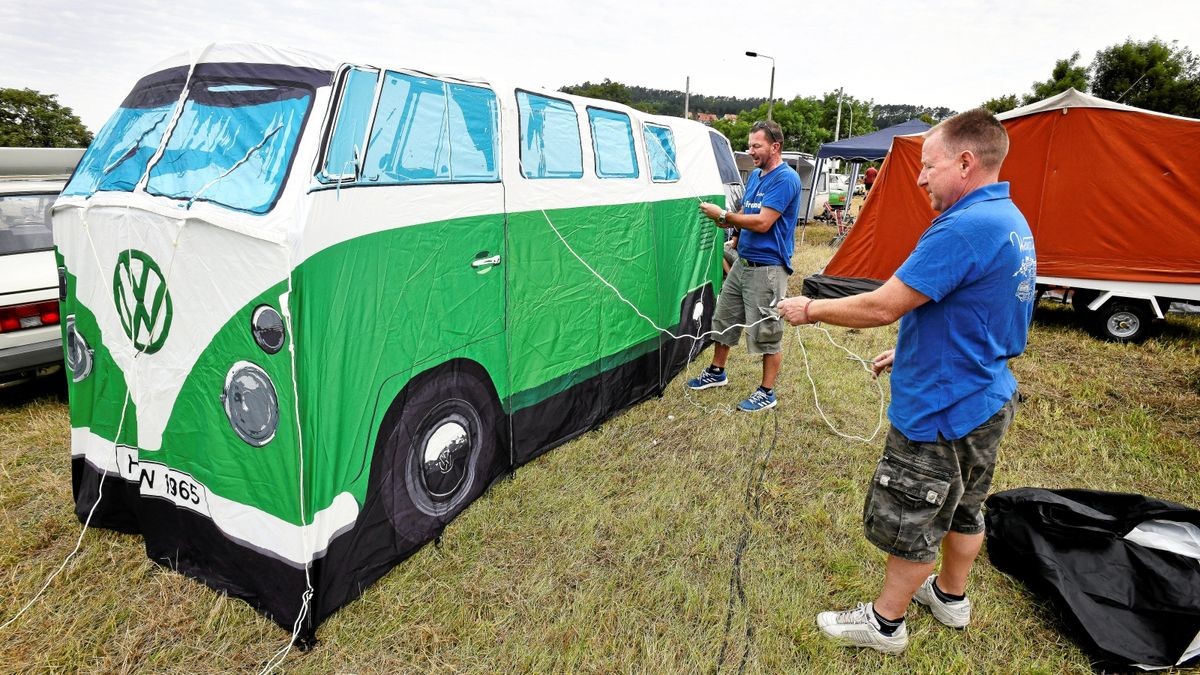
(267, 327)
(79, 355)
(251, 404)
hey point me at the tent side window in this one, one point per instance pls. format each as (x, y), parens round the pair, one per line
(550, 145)
(345, 149)
(474, 116)
(410, 140)
(660, 148)
(612, 140)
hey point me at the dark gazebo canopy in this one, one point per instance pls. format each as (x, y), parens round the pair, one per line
(872, 146)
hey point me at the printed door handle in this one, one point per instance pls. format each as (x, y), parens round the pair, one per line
(486, 262)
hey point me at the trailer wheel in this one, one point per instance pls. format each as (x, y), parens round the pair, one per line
(439, 453)
(1124, 321)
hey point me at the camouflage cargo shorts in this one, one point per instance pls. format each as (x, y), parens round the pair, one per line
(921, 491)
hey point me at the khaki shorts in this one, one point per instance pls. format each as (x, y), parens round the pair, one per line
(921, 491)
(749, 294)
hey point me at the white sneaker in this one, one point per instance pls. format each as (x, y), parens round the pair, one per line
(956, 613)
(858, 628)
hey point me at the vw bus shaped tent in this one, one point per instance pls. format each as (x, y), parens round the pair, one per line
(1110, 193)
(317, 309)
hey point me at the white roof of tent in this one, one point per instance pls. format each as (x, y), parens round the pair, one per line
(1073, 98)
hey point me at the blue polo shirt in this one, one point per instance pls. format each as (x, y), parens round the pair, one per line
(778, 189)
(976, 263)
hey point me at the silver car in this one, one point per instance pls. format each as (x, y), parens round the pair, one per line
(30, 336)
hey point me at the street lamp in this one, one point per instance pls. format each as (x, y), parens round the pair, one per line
(771, 99)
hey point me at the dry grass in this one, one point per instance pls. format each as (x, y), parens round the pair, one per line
(620, 550)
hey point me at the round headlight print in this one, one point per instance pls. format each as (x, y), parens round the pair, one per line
(267, 326)
(251, 403)
(79, 355)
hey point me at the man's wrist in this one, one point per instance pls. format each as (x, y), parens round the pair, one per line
(722, 219)
(804, 310)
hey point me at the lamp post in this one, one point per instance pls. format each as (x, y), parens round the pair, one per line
(771, 98)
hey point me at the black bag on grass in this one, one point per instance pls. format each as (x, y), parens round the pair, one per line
(1126, 600)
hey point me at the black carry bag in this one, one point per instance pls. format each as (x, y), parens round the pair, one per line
(1126, 603)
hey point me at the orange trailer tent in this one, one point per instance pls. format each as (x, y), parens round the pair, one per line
(1110, 191)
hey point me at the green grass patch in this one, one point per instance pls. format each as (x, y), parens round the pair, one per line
(616, 552)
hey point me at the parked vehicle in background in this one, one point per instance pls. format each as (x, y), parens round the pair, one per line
(30, 338)
(805, 165)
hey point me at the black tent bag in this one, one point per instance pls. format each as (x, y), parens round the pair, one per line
(1123, 602)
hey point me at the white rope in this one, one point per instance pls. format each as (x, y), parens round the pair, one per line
(306, 598)
(816, 397)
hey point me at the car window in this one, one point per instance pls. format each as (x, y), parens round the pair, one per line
(25, 223)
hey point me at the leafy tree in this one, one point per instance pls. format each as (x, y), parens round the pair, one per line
(660, 101)
(1067, 73)
(737, 132)
(34, 120)
(891, 114)
(606, 90)
(1000, 104)
(806, 121)
(1153, 75)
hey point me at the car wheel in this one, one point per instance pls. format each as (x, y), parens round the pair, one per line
(439, 453)
(1123, 321)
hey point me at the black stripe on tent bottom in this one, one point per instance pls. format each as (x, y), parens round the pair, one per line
(1123, 602)
(824, 286)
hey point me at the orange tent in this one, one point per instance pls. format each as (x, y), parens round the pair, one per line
(1107, 190)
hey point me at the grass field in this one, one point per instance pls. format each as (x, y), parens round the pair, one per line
(676, 538)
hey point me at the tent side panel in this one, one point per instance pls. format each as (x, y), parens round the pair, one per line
(1120, 197)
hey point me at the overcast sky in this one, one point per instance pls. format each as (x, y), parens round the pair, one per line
(928, 52)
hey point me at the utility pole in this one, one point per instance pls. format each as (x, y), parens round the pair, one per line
(687, 94)
(771, 95)
(837, 129)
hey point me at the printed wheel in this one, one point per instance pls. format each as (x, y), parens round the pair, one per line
(439, 453)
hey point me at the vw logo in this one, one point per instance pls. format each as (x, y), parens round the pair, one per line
(445, 461)
(143, 303)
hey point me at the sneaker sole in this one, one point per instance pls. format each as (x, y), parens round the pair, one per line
(922, 601)
(765, 407)
(882, 649)
(710, 385)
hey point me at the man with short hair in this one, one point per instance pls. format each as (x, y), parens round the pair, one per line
(964, 298)
(757, 280)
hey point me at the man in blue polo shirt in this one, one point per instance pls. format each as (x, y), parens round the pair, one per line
(766, 230)
(964, 299)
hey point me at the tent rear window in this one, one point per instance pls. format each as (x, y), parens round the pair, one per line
(660, 148)
(725, 162)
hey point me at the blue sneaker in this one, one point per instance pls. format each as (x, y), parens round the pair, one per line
(759, 400)
(708, 379)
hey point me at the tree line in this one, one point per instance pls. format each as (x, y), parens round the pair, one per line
(1150, 74)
